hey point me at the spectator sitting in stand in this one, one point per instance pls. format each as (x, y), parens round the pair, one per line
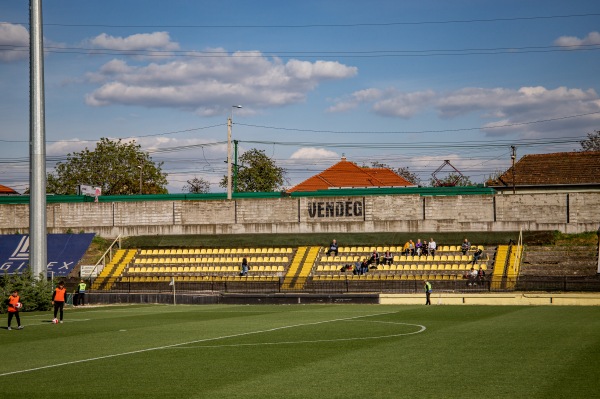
(406, 248)
(425, 248)
(388, 258)
(472, 277)
(465, 247)
(411, 247)
(333, 247)
(418, 247)
(432, 247)
(477, 255)
(364, 266)
(481, 275)
(374, 258)
(357, 269)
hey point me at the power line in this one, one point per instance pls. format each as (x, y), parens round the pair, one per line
(332, 25)
(422, 131)
(313, 54)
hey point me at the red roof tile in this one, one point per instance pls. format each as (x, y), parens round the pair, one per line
(553, 169)
(7, 190)
(347, 174)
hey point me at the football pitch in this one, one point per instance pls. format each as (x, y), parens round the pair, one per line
(304, 351)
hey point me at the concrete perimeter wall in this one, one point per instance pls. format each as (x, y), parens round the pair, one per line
(513, 298)
(569, 213)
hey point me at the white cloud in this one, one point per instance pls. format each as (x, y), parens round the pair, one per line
(525, 105)
(14, 42)
(509, 101)
(313, 153)
(404, 105)
(140, 41)
(355, 99)
(209, 85)
(593, 38)
(389, 102)
(495, 106)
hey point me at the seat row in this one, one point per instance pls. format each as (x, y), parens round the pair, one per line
(202, 269)
(382, 249)
(215, 251)
(385, 277)
(197, 279)
(413, 267)
(402, 258)
(209, 260)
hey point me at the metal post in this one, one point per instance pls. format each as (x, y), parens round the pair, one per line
(229, 124)
(37, 145)
(513, 155)
(229, 158)
(235, 165)
(141, 173)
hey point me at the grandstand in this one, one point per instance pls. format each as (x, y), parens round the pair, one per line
(290, 269)
(307, 269)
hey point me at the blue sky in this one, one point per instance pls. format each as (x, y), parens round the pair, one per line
(407, 84)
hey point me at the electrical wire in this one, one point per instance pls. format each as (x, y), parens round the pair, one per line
(313, 54)
(330, 25)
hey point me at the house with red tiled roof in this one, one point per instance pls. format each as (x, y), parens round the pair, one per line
(556, 172)
(7, 190)
(346, 174)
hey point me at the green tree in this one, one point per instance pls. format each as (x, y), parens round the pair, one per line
(453, 179)
(257, 173)
(592, 143)
(35, 293)
(115, 166)
(403, 172)
(197, 186)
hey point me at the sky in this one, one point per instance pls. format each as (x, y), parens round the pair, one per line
(405, 84)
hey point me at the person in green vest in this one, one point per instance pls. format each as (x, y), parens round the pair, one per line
(427, 287)
(81, 292)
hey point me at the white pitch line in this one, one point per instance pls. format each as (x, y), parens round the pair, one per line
(316, 341)
(181, 344)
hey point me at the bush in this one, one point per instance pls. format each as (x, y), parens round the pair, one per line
(35, 293)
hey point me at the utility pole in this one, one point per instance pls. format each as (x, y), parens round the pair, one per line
(141, 173)
(38, 248)
(229, 158)
(229, 123)
(513, 156)
(235, 165)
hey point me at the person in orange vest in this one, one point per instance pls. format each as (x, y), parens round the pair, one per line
(58, 299)
(13, 309)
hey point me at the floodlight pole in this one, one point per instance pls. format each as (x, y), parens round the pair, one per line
(38, 250)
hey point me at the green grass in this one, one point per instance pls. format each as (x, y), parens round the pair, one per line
(303, 351)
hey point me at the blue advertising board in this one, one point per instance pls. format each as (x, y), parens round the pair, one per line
(64, 252)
